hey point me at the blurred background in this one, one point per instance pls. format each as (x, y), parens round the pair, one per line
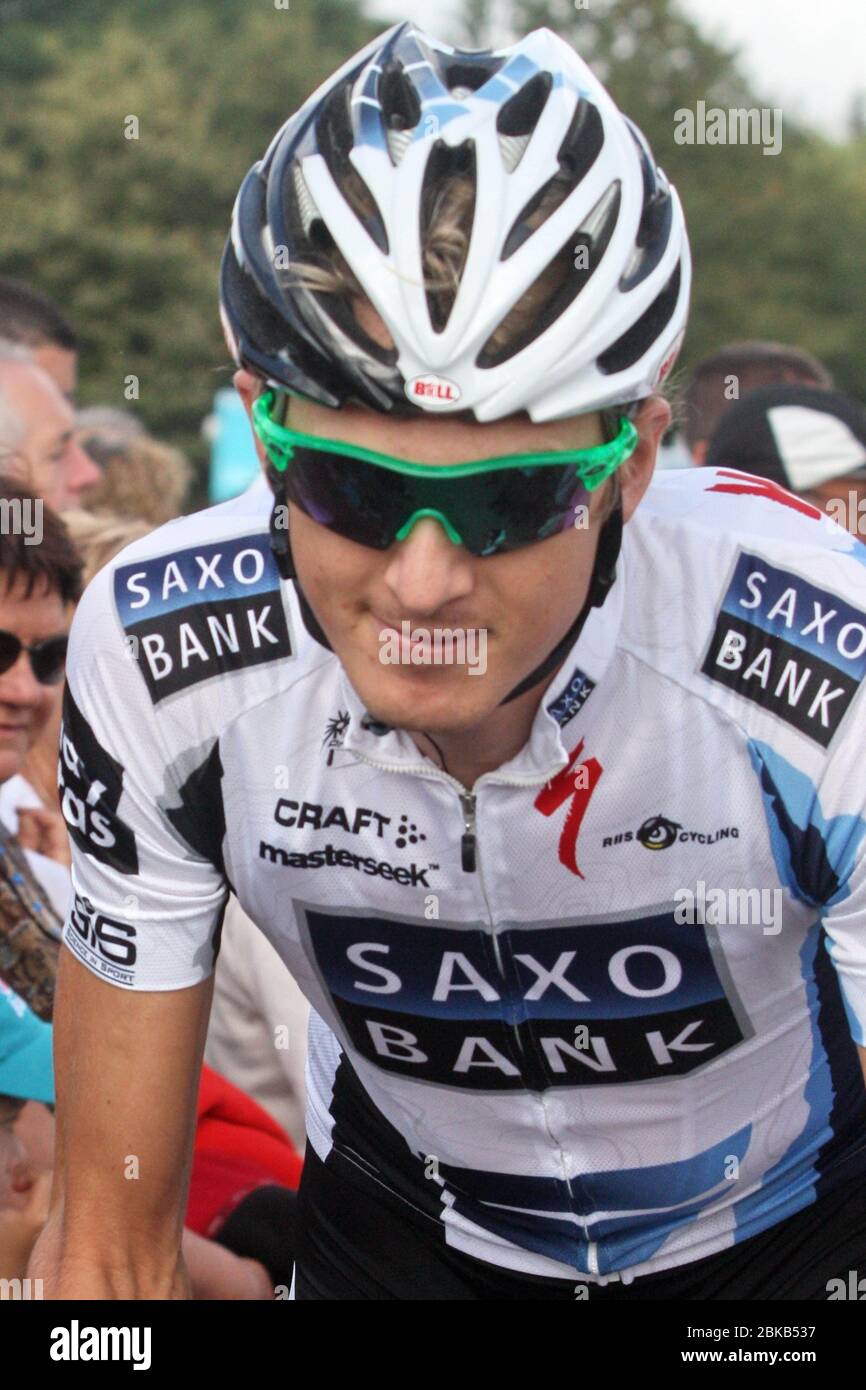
(122, 222)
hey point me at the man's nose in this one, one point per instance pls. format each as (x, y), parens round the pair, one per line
(81, 471)
(427, 570)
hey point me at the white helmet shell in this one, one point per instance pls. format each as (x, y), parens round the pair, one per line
(398, 118)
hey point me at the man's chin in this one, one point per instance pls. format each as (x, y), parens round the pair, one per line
(445, 704)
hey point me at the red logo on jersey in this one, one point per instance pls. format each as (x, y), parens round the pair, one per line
(762, 487)
(578, 784)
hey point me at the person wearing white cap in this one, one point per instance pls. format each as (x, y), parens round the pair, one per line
(805, 439)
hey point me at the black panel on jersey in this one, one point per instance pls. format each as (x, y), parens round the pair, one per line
(200, 819)
(847, 1116)
(90, 783)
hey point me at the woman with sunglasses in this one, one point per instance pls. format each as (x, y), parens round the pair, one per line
(40, 582)
(454, 285)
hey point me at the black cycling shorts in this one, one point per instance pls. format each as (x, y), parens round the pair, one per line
(358, 1240)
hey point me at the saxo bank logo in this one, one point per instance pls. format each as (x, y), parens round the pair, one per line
(796, 650)
(202, 612)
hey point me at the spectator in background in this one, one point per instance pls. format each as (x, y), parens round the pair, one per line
(26, 1077)
(140, 478)
(39, 585)
(726, 376)
(257, 1033)
(104, 425)
(804, 438)
(99, 536)
(32, 321)
(37, 447)
(241, 1217)
(97, 539)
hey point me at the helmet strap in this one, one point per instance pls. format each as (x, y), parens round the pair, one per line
(603, 576)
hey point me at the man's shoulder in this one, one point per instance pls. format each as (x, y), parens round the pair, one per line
(198, 610)
(750, 599)
(188, 560)
(704, 517)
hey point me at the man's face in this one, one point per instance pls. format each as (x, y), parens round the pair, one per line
(25, 705)
(61, 365)
(46, 459)
(522, 602)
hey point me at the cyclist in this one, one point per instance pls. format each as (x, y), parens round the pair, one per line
(581, 923)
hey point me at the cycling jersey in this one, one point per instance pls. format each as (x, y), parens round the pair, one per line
(598, 1014)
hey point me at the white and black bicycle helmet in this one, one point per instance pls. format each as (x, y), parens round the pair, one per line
(399, 117)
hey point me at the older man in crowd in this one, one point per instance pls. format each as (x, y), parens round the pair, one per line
(38, 449)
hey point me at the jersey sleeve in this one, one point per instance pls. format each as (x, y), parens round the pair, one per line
(826, 829)
(147, 905)
(844, 916)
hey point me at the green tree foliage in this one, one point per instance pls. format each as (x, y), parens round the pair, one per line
(127, 233)
(779, 241)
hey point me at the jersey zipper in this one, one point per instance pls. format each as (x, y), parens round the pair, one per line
(469, 839)
(471, 864)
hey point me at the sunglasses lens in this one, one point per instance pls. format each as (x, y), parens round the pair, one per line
(491, 512)
(49, 660)
(10, 650)
(357, 500)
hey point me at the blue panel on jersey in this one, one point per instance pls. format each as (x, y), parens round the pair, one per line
(829, 1149)
(814, 856)
(233, 569)
(786, 605)
(543, 1206)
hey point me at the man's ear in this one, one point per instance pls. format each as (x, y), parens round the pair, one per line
(248, 387)
(652, 423)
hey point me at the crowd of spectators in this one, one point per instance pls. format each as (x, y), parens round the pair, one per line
(102, 483)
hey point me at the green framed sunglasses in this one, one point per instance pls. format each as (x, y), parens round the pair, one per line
(489, 506)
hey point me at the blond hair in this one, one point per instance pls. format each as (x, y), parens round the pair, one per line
(142, 479)
(98, 537)
(445, 247)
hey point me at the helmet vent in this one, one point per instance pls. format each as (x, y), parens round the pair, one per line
(306, 206)
(447, 206)
(637, 340)
(558, 285)
(513, 148)
(520, 114)
(401, 108)
(470, 75)
(656, 221)
(398, 143)
(578, 152)
(336, 141)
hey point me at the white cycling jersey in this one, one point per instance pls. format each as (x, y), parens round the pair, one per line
(600, 1013)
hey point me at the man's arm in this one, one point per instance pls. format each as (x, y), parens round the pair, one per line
(127, 1071)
